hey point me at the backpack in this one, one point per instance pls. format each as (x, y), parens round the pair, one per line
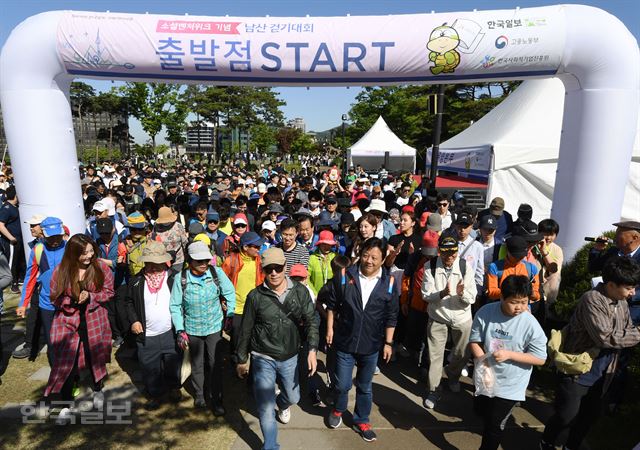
(500, 266)
(223, 301)
(569, 363)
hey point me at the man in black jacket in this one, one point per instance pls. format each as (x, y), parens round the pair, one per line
(362, 311)
(273, 315)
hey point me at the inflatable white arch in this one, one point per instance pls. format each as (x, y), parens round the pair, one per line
(590, 50)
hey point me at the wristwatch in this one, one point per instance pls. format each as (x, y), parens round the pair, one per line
(390, 344)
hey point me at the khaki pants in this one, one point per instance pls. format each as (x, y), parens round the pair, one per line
(437, 339)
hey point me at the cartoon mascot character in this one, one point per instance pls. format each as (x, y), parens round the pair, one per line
(442, 45)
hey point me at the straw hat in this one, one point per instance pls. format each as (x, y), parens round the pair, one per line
(165, 215)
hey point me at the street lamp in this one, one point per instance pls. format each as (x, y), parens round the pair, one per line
(344, 122)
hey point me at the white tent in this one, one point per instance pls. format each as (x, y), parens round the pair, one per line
(523, 134)
(380, 146)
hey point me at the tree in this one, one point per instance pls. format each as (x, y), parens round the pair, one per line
(285, 137)
(303, 144)
(114, 105)
(176, 123)
(263, 137)
(82, 96)
(151, 104)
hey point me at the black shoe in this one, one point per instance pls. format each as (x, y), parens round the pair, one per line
(364, 430)
(174, 396)
(334, 420)
(218, 409)
(199, 403)
(152, 404)
(22, 353)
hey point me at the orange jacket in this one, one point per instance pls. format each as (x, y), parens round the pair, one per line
(501, 269)
(232, 265)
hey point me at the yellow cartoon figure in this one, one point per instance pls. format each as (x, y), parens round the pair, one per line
(442, 43)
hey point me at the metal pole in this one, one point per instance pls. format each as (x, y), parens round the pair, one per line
(437, 129)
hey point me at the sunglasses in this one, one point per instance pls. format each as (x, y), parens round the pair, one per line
(213, 221)
(240, 225)
(443, 204)
(257, 247)
(270, 269)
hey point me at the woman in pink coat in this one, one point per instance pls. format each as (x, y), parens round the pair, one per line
(80, 334)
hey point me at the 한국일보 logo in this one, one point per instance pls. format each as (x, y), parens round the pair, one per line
(501, 41)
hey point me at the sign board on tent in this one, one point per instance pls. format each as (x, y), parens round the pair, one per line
(468, 161)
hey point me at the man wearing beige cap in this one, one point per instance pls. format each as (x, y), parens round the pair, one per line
(270, 335)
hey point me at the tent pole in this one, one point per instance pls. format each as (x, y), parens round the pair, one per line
(437, 130)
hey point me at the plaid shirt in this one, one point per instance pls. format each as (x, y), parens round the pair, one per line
(66, 340)
(198, 310)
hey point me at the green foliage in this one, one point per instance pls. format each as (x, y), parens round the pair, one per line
(104, 154)
(263, 137)
(406, 110)
(576, 280)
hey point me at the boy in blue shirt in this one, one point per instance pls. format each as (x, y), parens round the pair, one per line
(516, 342)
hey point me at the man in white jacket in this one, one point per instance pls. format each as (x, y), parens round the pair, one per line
(449, 288)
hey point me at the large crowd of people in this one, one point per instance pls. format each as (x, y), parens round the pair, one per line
(263, 269)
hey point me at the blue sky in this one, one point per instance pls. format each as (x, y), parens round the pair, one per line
(321, 108)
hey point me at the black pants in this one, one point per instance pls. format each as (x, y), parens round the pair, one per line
(495, 412)
(46, 320)
(207, 359)
(236, 322)
(31, 319)
(18, 264)
(161, 363)
(66, 393)
(117, 312)
(577, 408)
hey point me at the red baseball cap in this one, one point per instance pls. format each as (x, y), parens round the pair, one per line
(430, 243)
(299, 270)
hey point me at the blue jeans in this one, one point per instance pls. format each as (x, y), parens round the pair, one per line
(266, 373)
(364, 375)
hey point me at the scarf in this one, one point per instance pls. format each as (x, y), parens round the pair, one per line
(154, 280)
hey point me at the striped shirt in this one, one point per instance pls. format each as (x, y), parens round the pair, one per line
(601, 322)
(298, 255)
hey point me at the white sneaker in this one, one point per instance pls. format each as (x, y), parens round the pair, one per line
(64, 417)
(464, 372)
(98, 400)
(284, 415)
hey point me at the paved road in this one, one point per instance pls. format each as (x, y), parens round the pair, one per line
(400, 420)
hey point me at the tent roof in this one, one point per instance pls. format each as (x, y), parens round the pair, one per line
(380, 139)
(524, 128)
